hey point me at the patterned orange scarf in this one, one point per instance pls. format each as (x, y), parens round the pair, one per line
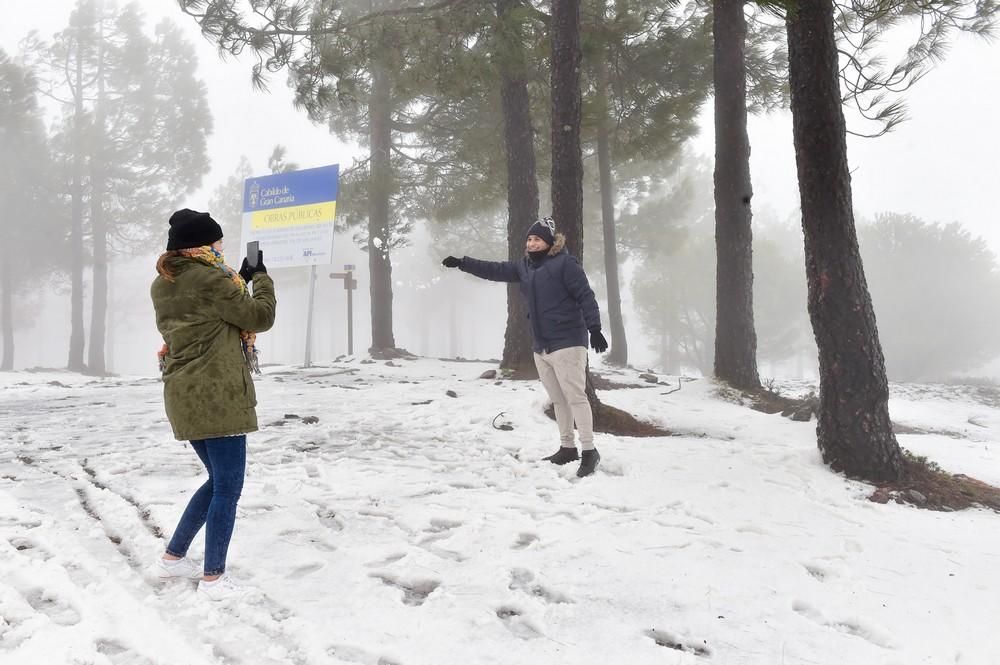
(248, 339)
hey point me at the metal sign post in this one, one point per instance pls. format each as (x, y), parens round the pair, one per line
(349, 285)
(309, 317)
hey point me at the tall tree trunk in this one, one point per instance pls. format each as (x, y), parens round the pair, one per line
(567, 160)
(99, 302)
(98, 224)
(735, 337)
(110, 345)
(6, 308)
(522, 182)
(380, 186)
(618, 353)
(77, 339)
(854, 432)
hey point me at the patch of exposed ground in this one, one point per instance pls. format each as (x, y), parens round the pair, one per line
(612, 420)
(767, 400)
(925, 485)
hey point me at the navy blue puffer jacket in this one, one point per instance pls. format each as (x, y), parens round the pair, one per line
(561, 305)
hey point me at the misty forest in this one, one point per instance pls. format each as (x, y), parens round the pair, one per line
(832, 373)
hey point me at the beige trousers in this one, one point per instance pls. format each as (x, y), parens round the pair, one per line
(564, 375)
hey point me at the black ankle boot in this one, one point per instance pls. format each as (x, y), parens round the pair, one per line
(564, 456)
(588, 463)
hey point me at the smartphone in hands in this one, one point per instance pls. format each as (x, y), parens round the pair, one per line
(253, 253)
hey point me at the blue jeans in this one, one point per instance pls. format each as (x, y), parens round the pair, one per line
(214, 503)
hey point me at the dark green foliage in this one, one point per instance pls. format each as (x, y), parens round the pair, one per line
(659, 75)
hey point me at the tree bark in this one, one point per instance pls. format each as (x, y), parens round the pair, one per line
(6, 309)
(98, 225)
(854, 432)
(77, 337)
(735, 337)
(522, 182)
(380, 186)
(567, 160)
(618, 351)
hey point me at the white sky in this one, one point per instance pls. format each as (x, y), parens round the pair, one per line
(402, 529)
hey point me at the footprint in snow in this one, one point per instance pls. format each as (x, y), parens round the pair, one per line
(30, 549)
(121, 655)
(522, 579)
(439, 529)
(352, 654)
(516, 623)
(667, 639)
(303, 571)
(60, 611)
(415, 591)
(329, 519)
(816, 571)
(846, 626)
(525, 540)
(392, 558)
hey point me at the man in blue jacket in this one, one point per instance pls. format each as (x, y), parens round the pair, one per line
(562, 310)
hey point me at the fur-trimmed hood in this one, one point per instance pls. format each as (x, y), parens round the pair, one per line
(557, 246)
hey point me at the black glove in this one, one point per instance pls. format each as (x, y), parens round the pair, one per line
(597, 341)
(451, 262)
(247, 273)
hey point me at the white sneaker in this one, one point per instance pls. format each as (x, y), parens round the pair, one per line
(223, 588)
(184, 567)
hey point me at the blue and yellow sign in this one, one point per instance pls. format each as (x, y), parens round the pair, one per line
(291, 215)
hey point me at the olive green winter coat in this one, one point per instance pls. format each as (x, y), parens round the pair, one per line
(207, 387)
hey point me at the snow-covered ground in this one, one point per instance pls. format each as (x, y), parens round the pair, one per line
(402, 528)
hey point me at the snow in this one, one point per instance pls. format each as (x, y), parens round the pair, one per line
(402, 528)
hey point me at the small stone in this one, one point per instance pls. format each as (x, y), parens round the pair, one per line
(488, 374)
(451, 393)
(310, 420)
(803, 415)
(649, 378)
(916, 497)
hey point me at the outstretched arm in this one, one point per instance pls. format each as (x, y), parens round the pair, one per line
(495, 271)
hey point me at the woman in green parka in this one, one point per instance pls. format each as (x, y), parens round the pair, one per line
(209, 319)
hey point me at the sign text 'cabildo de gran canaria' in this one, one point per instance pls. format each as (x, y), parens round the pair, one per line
(291, 215)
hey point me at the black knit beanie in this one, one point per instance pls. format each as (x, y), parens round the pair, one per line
(190, 228)
(545, 229)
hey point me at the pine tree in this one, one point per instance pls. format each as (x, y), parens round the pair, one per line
(134, 130)
(854, 432)
(30, 211)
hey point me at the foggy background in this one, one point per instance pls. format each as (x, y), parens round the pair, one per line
(936, 295)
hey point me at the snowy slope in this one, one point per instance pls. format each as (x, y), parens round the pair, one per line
(402, 528)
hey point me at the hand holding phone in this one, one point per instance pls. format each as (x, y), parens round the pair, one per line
(253, 262)
(253, 253)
